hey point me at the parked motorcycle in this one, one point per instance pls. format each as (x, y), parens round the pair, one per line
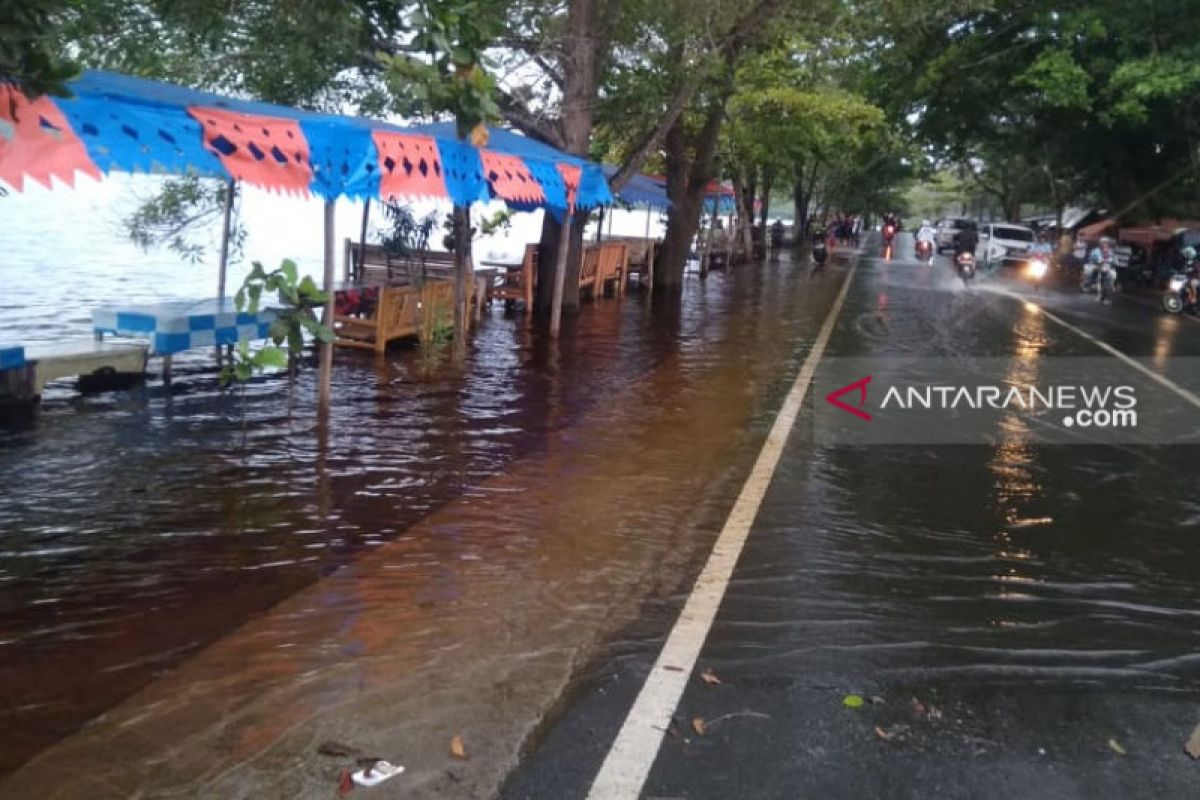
(966, 267)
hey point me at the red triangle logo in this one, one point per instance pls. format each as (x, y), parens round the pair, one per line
(860, 386)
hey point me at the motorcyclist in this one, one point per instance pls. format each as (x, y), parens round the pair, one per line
(1102, 256)
(1191, 268)
(966, 240)
(1041, 247)
(926, 233)
(777, 234)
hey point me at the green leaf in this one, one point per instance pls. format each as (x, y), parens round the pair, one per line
(852, 701)
(271, 357)
(288, 268)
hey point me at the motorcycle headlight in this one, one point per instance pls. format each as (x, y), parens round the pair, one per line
(1037, 268)
(1176, 284)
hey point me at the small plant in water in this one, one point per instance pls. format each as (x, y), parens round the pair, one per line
(437, 331)
(296, 301)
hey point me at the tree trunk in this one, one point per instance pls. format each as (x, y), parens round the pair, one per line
(463, 272)
(686, 183)
(745, 213)
(768, 179)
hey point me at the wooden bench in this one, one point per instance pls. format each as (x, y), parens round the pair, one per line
(401, 312)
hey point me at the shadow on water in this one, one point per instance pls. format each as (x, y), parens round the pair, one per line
(135, 530)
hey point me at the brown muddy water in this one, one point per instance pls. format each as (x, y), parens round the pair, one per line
(183, 615)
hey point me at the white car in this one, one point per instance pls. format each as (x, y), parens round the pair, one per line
(1004, 244)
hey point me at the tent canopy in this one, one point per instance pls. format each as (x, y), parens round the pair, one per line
(118, 122)
(640, 190)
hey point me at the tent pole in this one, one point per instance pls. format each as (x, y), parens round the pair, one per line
(362, 239)
(649, 251)
(560, 273)
(326, 370)
(230, 191)
(600, 227)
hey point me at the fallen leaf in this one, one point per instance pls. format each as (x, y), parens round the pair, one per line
(698, 726)
(1193, 744)
(918, 707)
(457, 748)
(852, 701)
(934, 713)
(709, 677)
(876, 700)
(881, 733)
(1115, 746)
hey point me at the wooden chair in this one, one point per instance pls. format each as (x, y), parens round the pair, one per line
(589, 270)
(396, 316)
(613, 267)
(518, 284)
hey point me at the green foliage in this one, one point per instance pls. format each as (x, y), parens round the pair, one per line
(442, 71)
(296, 301)
(30, 53)
(407, 235)
(177, 217)
(1048, 102)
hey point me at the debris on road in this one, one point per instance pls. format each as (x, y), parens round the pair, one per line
(852, 701)
(710, 677)
(1116, 747)
(457, 748)
(698, 726)
(1193, 744)
(376, 773)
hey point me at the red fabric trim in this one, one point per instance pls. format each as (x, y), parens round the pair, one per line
(571, 175)
(36, 141)
(510, 179)
(410, 165)
(262, 151)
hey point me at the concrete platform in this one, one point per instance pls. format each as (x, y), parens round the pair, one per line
(84, 357)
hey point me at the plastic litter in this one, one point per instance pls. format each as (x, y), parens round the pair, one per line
(377, 773)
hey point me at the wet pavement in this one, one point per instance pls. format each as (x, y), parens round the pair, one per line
(188, 617)
(498, 553)
(1012, 615)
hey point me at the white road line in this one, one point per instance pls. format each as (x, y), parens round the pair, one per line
(628, 763)
(1106, 347)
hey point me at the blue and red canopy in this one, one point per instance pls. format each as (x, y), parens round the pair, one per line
(120, 123)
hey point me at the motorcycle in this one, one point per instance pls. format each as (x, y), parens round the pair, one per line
(819, 252)
(1036, 269)
(966, 267)
(925, 251)
(1104, 280)
(1174, 299)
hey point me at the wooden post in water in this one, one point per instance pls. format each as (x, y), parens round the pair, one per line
(708, 240)
(649, 252)
(462, 274)
(230, 192)
(560, 273)
(325, 381)
(362, 239)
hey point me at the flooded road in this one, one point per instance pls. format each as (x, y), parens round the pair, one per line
(436, 560)
(1006, 611)
(463, 554)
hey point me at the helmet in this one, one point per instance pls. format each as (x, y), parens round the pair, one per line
(925, 222)
(1189, 253)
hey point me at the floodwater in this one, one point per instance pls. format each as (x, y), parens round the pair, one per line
(182, 613)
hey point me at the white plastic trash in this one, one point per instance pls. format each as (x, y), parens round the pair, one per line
(377, 774)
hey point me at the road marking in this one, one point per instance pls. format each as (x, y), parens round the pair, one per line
(1106, 347)
(628, 763)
